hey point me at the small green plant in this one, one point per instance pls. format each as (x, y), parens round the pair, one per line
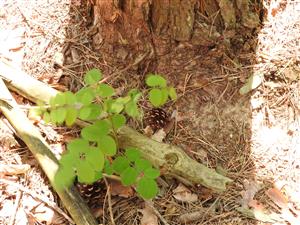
(91, 155)
(159, 91)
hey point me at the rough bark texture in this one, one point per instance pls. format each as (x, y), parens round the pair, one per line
(130, 28)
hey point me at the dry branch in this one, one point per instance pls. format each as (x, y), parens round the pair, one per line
(170, 158)
(41, 151)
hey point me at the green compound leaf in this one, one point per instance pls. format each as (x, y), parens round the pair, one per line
(156, 81)
(104, 126)
(77, 147)
(172, 93)
(164, 96)
(114, 106)
(131, 109)
(120, 164)
(92, 76)
(107, 145)
(151, 173)
(70, 98)
(58, 100)
(155, 97)
(85, 95)
(132, 154)
(84, 112)
(142, 164)
(61, 115)
(71, 116)
(67, 160)
(90, 112)
(46, 117)
(147, 188)
(104, 90)
(91, 133)
(64, 177)
(54, 115)
(52, 102)
(85, 172)
(108, 169)
(118, 120)
(98, 175)
(129, 176)
(95, 131)
(134, 95)
(123, 100)
(95, 111)
(96, 158)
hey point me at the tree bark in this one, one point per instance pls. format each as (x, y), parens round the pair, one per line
(129, 28)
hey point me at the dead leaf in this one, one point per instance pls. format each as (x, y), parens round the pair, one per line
(256, 205)
(259, 214)
(149, 217)
(182, 193)
(281, 201)
(118, 189)
(250, 189)
(205, 194)
(277, 197)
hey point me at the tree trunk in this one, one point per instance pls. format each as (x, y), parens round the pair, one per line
(131, 29)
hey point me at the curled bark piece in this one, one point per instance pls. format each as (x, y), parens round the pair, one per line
(170, 158)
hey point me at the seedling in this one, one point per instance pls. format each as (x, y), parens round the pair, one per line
(90, 156)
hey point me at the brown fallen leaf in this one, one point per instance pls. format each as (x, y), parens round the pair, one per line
(118, 189)
(182, 193)
(250, 189)
(289, 214)
(256, 205)
(149, 217)
(277, 197)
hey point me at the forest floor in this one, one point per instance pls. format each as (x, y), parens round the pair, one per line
(252, 138)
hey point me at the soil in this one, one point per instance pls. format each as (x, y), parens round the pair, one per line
(252, 138)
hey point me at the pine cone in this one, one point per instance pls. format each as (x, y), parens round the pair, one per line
(91, 193)
(156, 119)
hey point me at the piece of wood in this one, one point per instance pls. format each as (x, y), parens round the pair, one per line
(41, 151)
(170, 158)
